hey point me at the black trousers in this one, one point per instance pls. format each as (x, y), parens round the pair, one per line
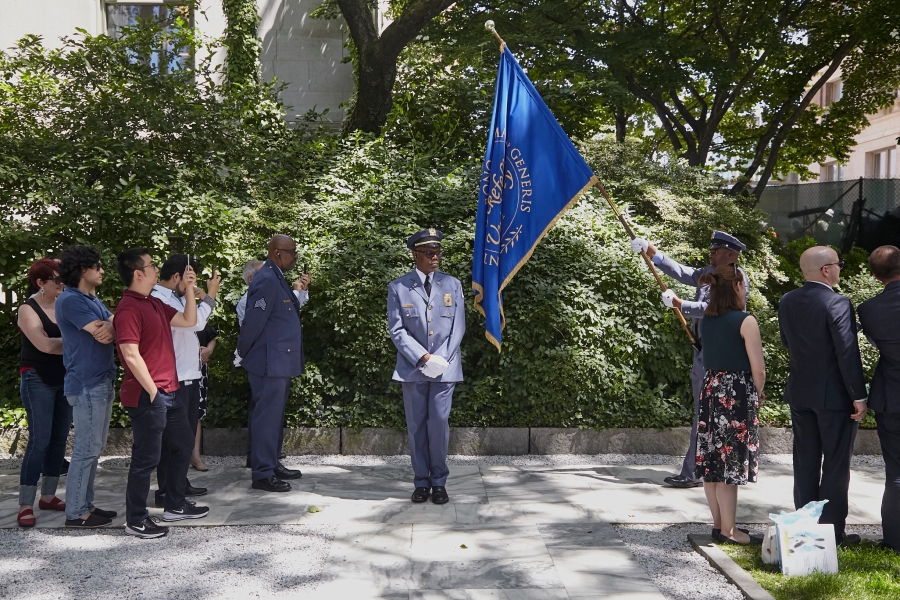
(889, 436)
(151, 423)
(188, 395)
(823, 445)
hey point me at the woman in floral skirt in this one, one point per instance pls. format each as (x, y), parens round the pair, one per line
(728, 424)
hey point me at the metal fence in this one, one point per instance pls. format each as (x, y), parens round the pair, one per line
(861, 212)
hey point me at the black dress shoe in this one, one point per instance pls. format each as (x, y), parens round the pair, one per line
(271, 484)
(439, 495)
(420, 494)
(194, 491)
(850, 539)
(283, 473)
(106, 514)
(717, 533)
(680, 481)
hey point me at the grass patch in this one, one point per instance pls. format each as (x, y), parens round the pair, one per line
(866, 573)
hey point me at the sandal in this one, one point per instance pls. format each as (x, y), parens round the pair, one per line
(55, 504)
(26, 518)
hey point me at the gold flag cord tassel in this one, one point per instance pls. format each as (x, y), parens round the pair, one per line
(647, 260)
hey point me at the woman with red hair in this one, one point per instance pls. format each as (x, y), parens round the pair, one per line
(42, 372)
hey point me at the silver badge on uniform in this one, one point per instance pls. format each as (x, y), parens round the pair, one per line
(261, 303)
(448, 300)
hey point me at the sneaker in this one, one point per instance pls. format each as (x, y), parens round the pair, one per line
(146, 529)
(94, 520)
(188, 511)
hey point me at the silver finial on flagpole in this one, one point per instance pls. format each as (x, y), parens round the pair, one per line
(489, 25)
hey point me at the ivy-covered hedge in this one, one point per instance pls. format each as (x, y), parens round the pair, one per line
(99, 148)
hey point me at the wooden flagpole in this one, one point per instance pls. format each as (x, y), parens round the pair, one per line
(647, 260)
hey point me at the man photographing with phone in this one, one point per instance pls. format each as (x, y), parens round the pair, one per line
(150, 391)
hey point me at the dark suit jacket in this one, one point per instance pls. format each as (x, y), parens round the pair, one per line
(818, 327)
(271, 339)
(880, 318)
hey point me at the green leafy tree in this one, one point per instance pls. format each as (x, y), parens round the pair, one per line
(730, 84)
(101, 146)
(375, 53)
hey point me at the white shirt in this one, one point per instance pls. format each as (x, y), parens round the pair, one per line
(187, 346)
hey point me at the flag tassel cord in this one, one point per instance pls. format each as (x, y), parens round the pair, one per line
(647, 260)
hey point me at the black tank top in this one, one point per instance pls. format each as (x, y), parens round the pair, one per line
(49, 367)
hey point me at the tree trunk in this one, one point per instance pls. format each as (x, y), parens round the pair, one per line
(375, 83)
(621, 124)
(376, 57)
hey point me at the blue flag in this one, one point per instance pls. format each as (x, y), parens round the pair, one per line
(532, 173)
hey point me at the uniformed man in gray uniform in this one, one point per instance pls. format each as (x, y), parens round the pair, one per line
(426, 321)
(725, 249)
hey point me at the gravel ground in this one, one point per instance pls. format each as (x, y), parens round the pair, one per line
(678, 571)
(191, 562)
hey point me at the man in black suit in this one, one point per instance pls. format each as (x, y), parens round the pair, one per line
(825, 387)
(880, 318)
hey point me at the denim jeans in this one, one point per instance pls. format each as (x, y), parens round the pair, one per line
(49, 419)
(152, 422)
(91, 409)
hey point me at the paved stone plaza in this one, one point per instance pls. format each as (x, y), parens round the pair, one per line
(515, 532)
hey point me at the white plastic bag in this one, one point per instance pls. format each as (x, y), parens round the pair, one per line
(804, 546)
(770, 546)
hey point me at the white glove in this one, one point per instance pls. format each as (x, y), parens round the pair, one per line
(435, 366)
(237, 359)
(639, 245)
(668, 298)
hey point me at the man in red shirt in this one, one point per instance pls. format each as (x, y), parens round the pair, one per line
(150, 392)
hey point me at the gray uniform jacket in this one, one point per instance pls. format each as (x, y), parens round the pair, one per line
(880, 319)
(419, 325)
(690, 276)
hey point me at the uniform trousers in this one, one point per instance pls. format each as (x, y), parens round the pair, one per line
(427, 405)
(268, 399)
(188, 395)
(823, 445)
(889, 436)
(698, 372)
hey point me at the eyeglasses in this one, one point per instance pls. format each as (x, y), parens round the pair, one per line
(152, 264)
(840, 264)
(57, 279)
(429, 253)
(293, 251)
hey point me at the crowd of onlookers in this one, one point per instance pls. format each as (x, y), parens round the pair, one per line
(68, 373)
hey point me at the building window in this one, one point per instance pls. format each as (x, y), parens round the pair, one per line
(834, 91)
(882, 164)
(832, 172)
(122, 14)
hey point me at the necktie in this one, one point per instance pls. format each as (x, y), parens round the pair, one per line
(428, 285)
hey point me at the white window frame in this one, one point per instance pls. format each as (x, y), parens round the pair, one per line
(882, 164)
(832, 171)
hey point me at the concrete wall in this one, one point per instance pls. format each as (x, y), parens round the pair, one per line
(471, 441)
(304, 53)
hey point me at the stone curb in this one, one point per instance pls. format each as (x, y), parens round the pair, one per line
(732, 572)
(469, 441)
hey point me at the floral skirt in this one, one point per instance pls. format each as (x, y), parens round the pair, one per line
(728, 428)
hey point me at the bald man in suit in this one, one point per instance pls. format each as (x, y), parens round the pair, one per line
(825, 387)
